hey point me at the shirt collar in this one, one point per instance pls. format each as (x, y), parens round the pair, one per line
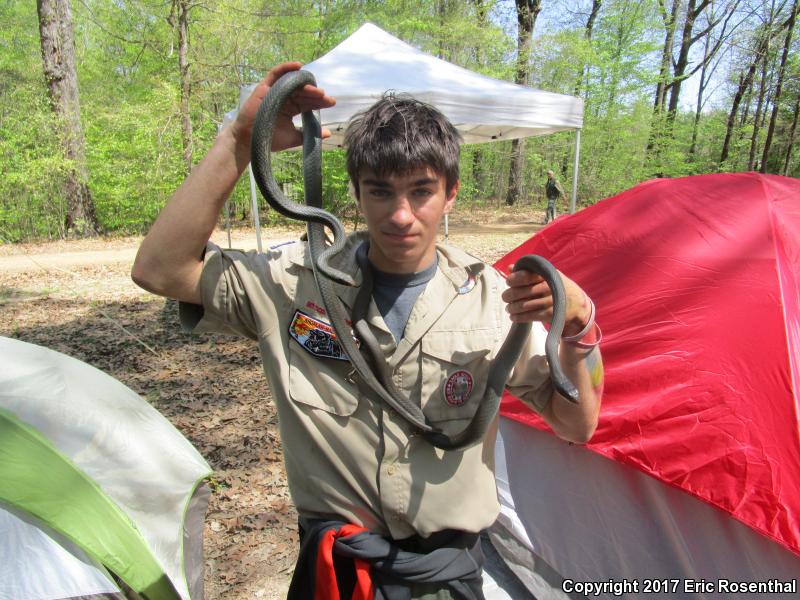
(454, 263)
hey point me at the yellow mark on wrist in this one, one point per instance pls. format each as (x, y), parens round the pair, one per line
(594, 364)
(597, 375)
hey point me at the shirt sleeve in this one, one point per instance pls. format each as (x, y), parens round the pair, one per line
(238, 291)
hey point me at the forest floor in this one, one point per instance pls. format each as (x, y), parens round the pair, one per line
(76, 297)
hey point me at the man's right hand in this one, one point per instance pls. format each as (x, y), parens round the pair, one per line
(170, 259)
(286, 135)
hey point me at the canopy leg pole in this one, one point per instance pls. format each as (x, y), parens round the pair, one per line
(256, 220)
(573, 200)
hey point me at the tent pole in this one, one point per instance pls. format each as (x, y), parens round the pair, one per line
(575, 172)
(256, 221)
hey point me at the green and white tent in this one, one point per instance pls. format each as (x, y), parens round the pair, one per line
(92, 480)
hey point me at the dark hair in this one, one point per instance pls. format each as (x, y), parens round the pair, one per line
(398, 134)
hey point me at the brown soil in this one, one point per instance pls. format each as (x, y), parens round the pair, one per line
(77, 298)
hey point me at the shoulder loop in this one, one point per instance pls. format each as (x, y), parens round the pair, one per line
(473, 272)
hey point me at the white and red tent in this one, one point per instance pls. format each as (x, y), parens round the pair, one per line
(694, 471)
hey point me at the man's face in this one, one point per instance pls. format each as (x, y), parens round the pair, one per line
(403, 213)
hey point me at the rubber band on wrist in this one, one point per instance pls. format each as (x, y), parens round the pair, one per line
(590, 330)
(586, 329)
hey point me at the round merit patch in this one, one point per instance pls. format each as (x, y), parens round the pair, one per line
(458, 388)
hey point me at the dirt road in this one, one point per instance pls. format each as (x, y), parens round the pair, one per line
(53, 255)
(41, 257)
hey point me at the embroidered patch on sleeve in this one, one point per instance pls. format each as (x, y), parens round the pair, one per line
(317, 337)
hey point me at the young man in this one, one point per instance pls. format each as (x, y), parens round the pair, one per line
(439, 316)
(553, 191)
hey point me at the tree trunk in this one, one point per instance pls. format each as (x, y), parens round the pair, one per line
(527, 11)
(694, 10)
(441, 12)
(58, 60)
(767, 102)
(683, 60)
(187, 138)
(744, 84)
(478, 170)
(701, 88)
(478, 174)
(515, 172)
(747, 100)
(666, 54)
(779, 87)
(792, 131)
(656, 127)
(762, 93)
(587, 35)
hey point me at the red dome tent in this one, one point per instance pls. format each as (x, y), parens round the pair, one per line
(696, 286)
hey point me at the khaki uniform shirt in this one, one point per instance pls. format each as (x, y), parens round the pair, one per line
(347, 455)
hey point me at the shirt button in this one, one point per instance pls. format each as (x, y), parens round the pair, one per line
(391, 470)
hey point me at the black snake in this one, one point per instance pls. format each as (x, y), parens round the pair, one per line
(379, 379)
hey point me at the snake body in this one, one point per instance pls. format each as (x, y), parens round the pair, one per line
(377, 376)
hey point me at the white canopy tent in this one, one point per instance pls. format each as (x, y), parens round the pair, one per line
(370, 62)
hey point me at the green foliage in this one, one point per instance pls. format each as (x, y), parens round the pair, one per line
(134, 158)
(31, 168)
(127, 53)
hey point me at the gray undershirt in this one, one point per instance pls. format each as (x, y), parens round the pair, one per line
(395, 295)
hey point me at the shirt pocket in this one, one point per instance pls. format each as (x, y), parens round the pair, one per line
(455, 365)
(321, 382)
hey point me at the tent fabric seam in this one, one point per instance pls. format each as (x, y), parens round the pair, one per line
(184, 512)
(31, 431)
(776, 244)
